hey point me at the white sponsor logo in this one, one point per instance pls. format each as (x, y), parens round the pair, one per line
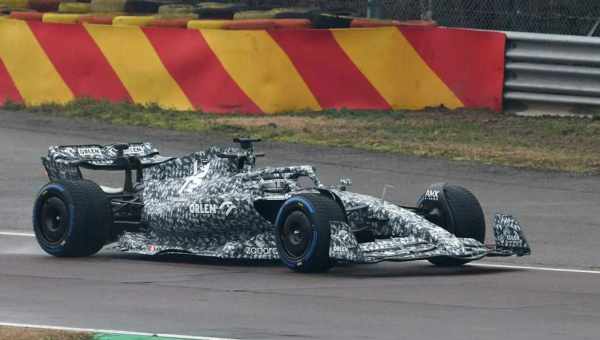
(512, 237)
(89, 151)
(227, 207)
(134, 150)
(432, 195)
(203, 208)
(212, 209)
(339, 249)
(261, 251)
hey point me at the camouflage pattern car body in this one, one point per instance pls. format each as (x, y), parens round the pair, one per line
(208, 205)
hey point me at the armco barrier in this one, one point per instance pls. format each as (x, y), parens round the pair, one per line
(257, 71)
(552, 68)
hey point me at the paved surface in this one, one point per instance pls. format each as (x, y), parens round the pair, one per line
(385, 301)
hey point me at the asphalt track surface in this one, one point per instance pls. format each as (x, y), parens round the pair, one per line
(265, 301)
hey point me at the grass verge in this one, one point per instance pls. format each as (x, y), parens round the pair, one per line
(15, 333)
(547, 143)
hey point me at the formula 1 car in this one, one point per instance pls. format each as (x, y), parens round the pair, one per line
(215, 203)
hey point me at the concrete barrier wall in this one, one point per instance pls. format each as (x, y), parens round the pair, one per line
(252, 71)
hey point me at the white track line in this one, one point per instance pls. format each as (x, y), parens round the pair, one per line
(545, 269)
(14, 233)
(108, 331)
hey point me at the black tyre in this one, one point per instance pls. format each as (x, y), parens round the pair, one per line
(458, 211)
(303, 232)
(72, 218)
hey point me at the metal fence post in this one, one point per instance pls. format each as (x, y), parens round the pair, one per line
(426, 9)
(374, 9)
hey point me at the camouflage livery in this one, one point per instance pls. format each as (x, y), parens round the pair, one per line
(210, 204)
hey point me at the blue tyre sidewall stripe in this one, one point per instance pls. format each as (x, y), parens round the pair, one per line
(278, 222)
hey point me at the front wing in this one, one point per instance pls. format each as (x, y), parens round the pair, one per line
(508, 235)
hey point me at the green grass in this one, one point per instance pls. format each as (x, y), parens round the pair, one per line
(16, 333)
(548, 143)
(24, 333)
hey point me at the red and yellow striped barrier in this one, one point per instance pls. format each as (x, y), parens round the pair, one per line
(252, 71)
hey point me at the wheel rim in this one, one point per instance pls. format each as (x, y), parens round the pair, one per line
(296, 234)
(54, 220)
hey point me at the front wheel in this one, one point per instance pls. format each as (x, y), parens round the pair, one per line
(72, 218)
(303, 232)
(457, 210)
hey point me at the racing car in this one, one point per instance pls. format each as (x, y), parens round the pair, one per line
(217, 203)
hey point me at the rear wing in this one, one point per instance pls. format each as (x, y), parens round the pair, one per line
(65, 161)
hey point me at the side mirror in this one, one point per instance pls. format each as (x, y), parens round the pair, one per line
(246, 143)
(121, 149)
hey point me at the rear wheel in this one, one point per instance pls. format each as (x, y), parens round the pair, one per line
(303, 232)
(458, 211)
(72, 218)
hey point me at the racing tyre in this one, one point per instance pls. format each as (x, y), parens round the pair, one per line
(458, 211)
(72, 218)
(303, 232)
